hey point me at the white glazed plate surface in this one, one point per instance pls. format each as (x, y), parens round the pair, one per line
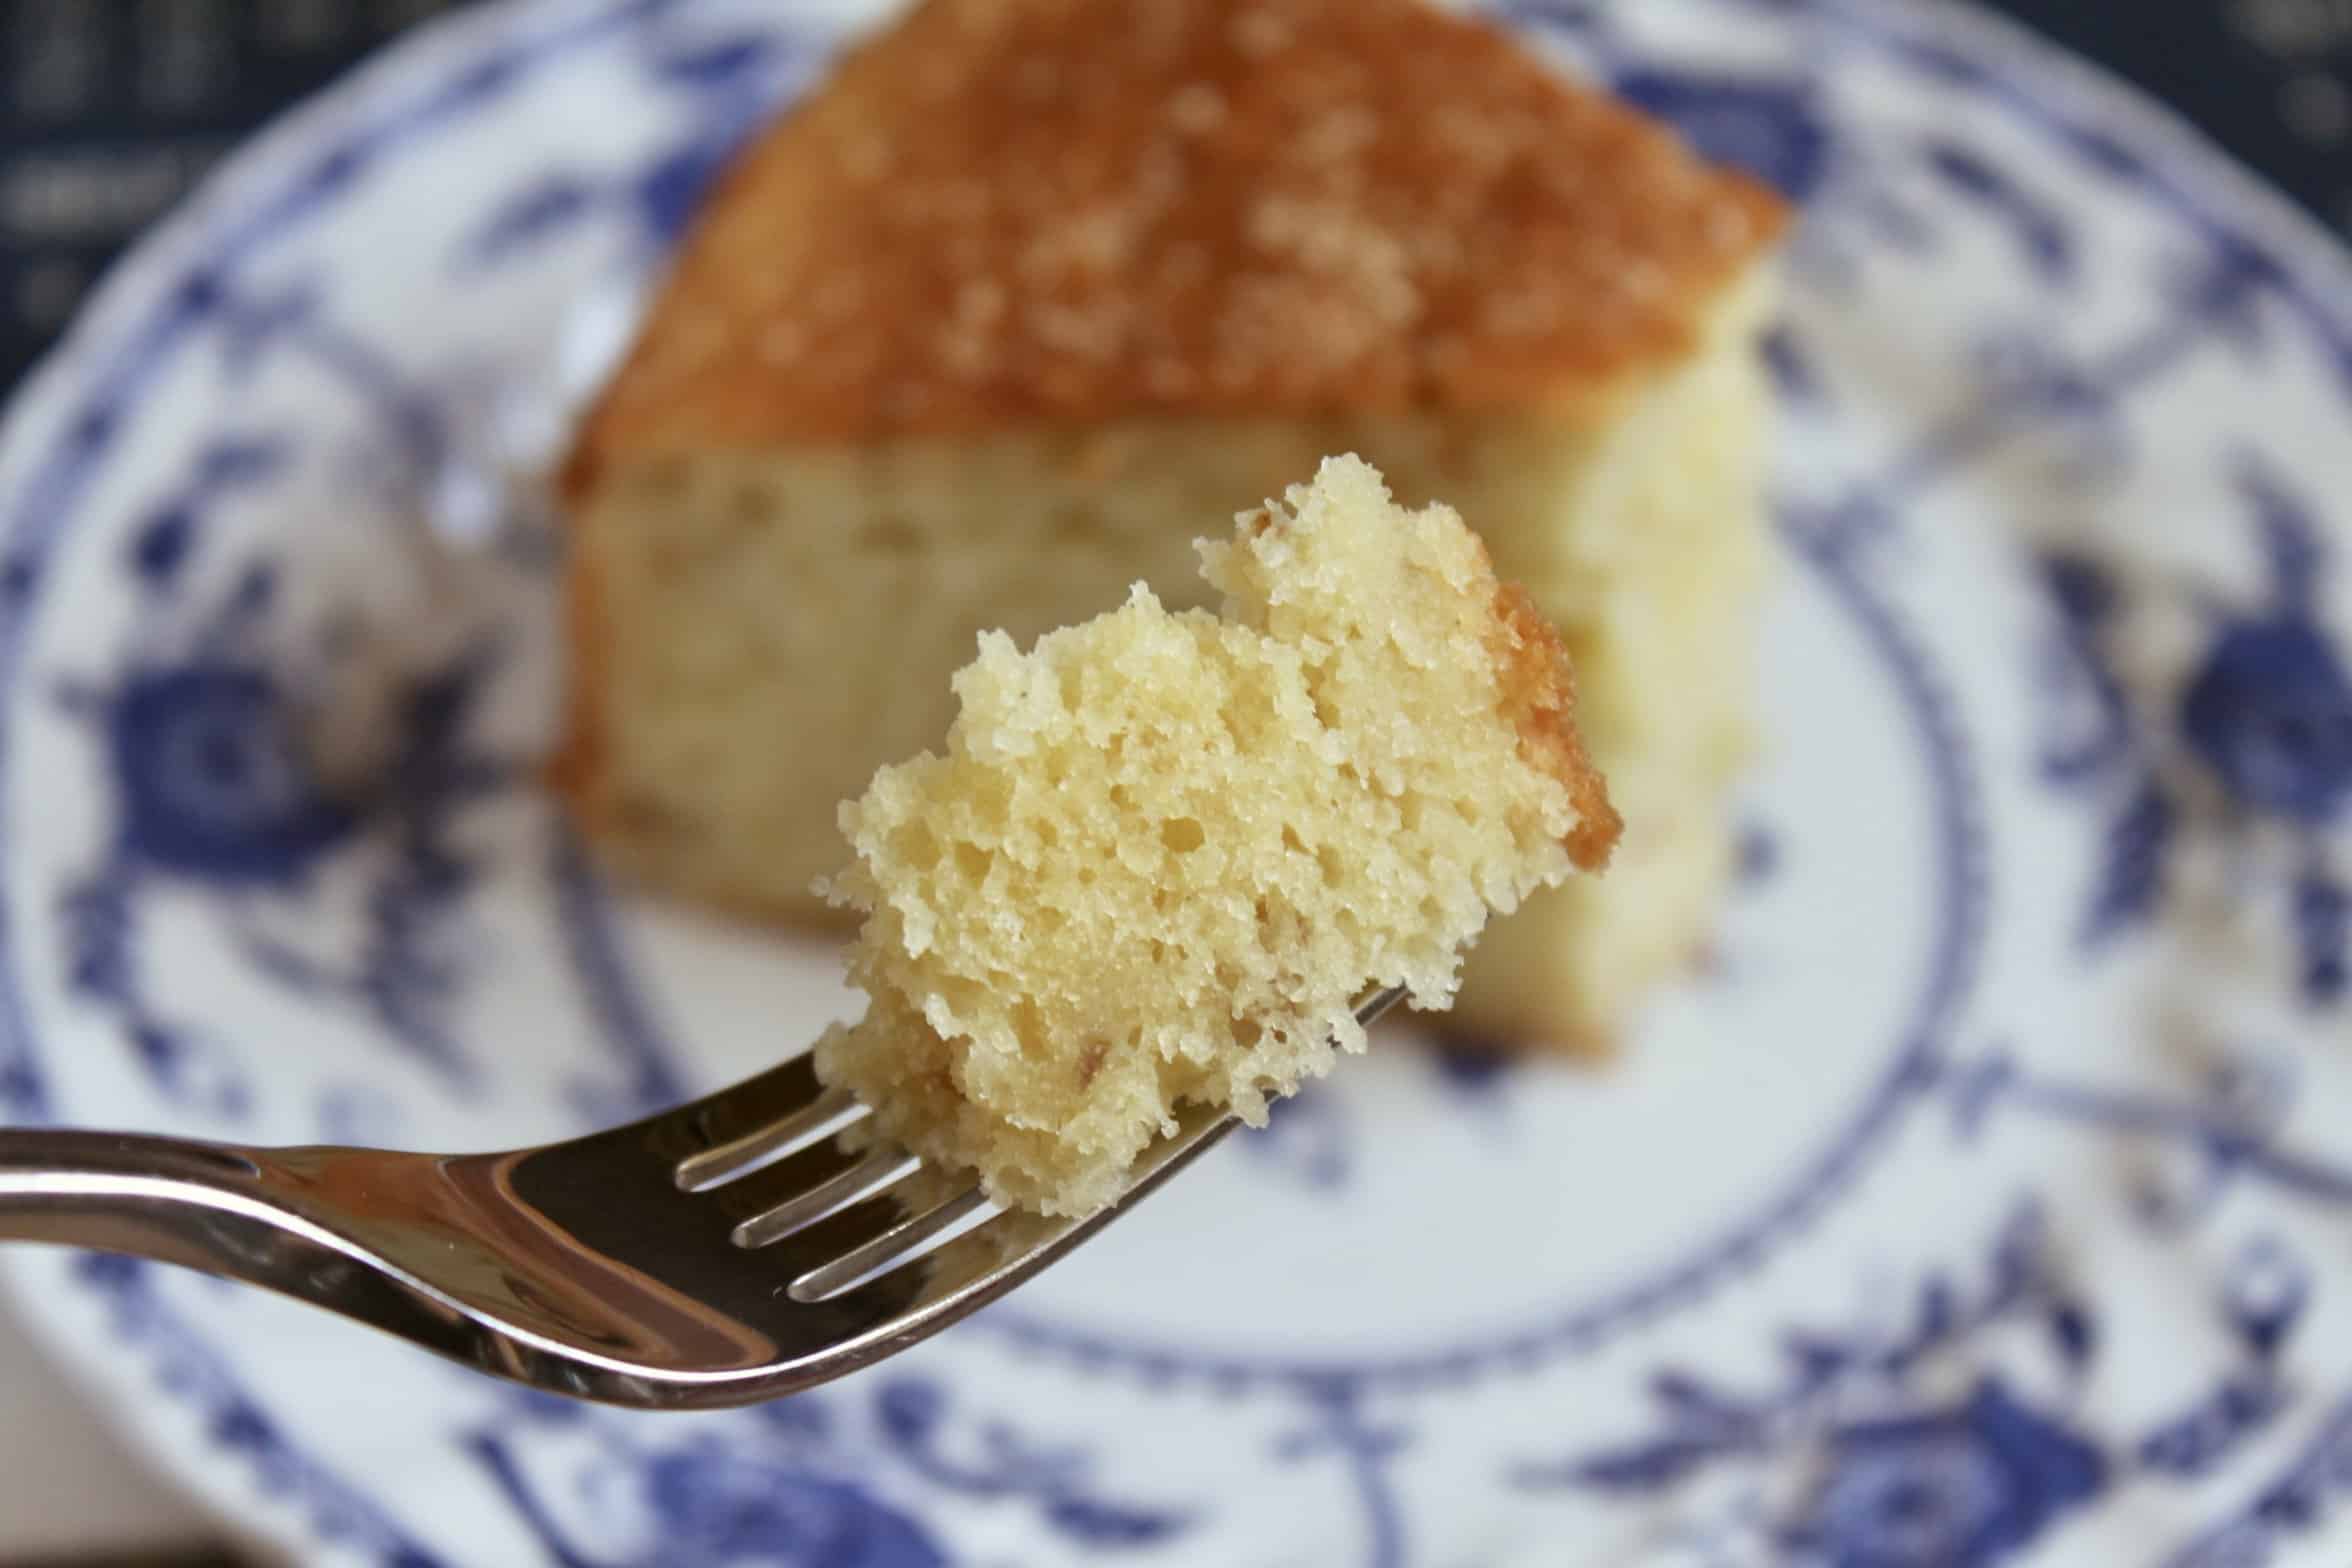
(1987, 1199)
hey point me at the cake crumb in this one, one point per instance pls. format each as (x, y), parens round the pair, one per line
(1164, 853)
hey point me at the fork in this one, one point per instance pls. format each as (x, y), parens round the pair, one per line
(734, 1249)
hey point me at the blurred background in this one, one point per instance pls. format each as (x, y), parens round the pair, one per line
(110, 109)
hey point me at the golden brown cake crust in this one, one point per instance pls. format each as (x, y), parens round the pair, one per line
(1005, 211)
(1539, 690)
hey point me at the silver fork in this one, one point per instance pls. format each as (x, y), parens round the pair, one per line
(734, 1249)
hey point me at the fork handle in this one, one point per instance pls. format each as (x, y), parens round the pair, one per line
(207, 1206)
(63, 1184)
(240, 1214)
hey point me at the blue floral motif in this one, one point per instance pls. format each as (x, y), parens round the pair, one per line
(1964, 1487)
(2224, 285)
(232, 463)
(1777, 124)
(773, 1487)
(2294, 1506)
(1921, 1480)
(2205, 1436)
(1339, 1429)
(2228, 1133)
(196, 1375)
(2270, 714)
(2269, 711)
(1770, 126)
(2020, 366)
(216, 793)
(2088, 728)
(1796, 377)
(728, 86)
(709, 1502)
(204, 739)
(2322, 917)
(2263, 717)
(722, 1509)
(213, 780)
(2043, 234)
(1702, 1424)
(914, 1416)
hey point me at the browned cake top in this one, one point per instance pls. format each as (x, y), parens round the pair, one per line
(1056, 210)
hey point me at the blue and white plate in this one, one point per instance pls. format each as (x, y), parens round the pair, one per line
(1989, 1198)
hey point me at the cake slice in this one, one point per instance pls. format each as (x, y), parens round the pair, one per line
(980, 329)
(1165, 852)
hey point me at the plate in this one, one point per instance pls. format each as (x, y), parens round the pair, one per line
(1984, 1199)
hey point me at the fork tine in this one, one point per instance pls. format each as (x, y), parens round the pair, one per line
(1006, 1246)
(730, 1114)
(845, 1230)
(893, 1245)
(717, 1164)
(1007, 1240)
(876, 1168)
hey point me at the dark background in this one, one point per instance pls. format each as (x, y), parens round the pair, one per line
(109, 108)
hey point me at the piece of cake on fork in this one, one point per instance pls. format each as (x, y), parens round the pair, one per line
(983, 327)
(1164, 853)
